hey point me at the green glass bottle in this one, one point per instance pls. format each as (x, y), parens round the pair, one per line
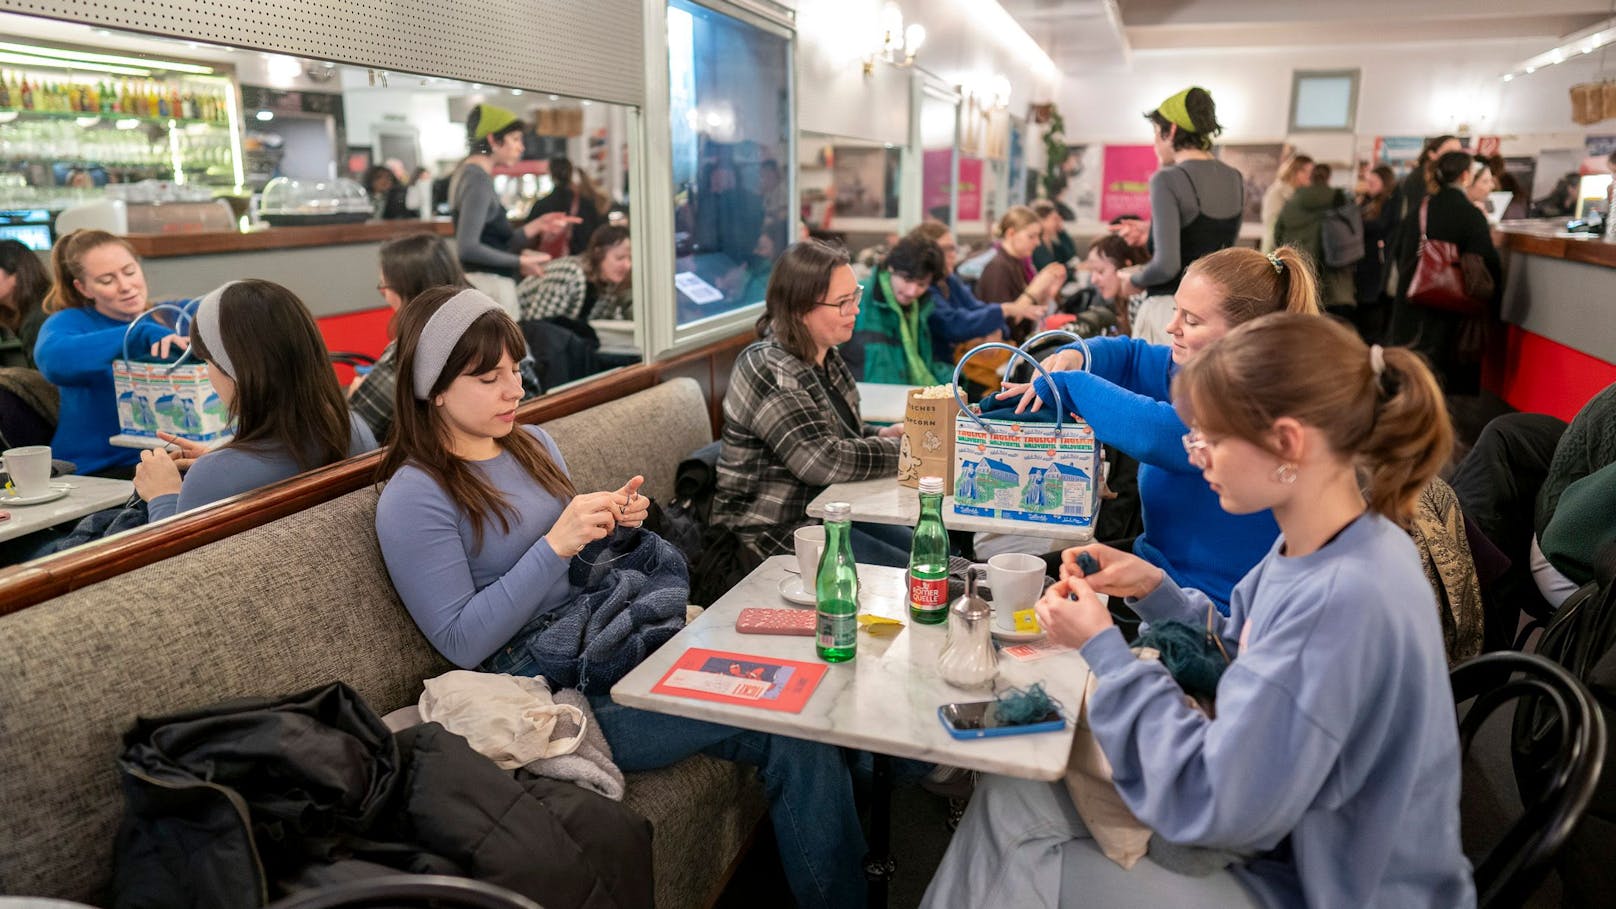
(836, 588)
(928, 558)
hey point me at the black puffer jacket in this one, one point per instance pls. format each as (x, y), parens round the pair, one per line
(237, 804)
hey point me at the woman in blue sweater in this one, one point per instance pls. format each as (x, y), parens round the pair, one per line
(1331, 766)
(1125, 396)
(272, 373)
(99, 290)
(478, 524)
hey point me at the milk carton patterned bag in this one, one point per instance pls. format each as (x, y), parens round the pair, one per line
(173, 397)
(1038, 473)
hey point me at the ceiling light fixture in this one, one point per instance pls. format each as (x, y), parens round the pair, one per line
(80, 58)
(1584, 42)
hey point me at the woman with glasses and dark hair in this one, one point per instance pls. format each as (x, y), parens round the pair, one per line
(791, 416)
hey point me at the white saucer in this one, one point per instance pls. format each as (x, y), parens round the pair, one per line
(56, 492)
(792, 591)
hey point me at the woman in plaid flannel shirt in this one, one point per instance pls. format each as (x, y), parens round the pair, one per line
(791, 423)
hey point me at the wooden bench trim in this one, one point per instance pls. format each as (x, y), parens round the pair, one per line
(34, 582)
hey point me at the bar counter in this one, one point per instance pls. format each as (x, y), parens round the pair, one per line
(166, 246)
(333, 268)
(1560, 308)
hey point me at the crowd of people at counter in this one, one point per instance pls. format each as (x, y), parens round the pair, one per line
(1277, 453)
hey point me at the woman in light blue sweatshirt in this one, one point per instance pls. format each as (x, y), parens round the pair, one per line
(270, 368)
(478, 524)
(1124, 395)
(100, 288)
(1332, 763)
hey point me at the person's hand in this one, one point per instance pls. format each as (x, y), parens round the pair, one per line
(161, 348)
(1064, 360)
(157, 475)
(188, 451)
(1071, 614)
(1047, 283)
(890, 432)
(1029, 403)
(550, 225)
(1023, 308)
(1120, 574)
(531, 263)
(1133, 231)
(586, 518)
(632, 508)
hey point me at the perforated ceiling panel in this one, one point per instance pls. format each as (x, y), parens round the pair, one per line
(582, 48)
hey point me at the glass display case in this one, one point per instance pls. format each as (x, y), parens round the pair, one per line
(74, 120)
(288, 202)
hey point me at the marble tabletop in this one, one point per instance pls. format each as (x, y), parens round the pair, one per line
(880, 403)
(84, 495)
(884, 700)
(883, 501)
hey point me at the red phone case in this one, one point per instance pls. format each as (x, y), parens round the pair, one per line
(776, 621)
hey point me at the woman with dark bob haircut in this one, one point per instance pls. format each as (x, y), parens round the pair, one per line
(791, 416)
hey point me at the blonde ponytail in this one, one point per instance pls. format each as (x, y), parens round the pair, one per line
(1254, 284)
(1412, 436)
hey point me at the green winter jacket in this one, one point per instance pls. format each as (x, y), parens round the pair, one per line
(876, 351)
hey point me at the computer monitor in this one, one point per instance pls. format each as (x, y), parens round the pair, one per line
(29, 226)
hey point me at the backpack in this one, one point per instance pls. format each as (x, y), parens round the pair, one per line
(1581, 637)
(1341, 235)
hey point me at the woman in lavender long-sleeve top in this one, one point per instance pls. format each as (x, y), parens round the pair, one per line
(478, 524)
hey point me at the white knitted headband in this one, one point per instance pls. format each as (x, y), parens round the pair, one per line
(442, 332)
(207, 325)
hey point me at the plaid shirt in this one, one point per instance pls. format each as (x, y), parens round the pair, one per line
(373, 399)
(784, 442)
(560, 291)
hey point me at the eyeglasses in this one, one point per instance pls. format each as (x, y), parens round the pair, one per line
(1197, 448)
(848, 305)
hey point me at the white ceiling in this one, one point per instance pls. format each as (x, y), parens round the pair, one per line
(1088, 34)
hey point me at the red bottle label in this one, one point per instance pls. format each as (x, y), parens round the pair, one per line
(928, 594)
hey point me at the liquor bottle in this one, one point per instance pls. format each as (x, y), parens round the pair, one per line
(108, 98)
(126, 99)
(836, 588)
(162, 101)
(5, 92)
(26, 94)
(928, 558)
(175, 107)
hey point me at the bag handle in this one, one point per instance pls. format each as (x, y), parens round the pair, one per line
(1425, 205)
(959, 374)
(1065, 332)
(181, 321)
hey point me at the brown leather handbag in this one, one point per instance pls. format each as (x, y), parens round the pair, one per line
(1439, 276)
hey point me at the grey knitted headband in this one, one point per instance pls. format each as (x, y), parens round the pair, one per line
(207, 325)
(442, 332)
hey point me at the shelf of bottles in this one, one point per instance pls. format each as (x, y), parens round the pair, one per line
(179, 129)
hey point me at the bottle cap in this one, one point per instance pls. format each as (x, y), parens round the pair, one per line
(931, 485)
(838, 511)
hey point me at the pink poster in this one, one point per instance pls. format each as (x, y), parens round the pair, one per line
(1126, 180)
(970, 189)
(934, 178)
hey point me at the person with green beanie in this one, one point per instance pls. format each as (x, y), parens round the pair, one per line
(485, 238)
(892, 339)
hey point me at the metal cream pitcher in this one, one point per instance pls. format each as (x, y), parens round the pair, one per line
(968, 659)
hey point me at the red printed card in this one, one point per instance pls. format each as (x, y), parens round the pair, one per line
(738, 678)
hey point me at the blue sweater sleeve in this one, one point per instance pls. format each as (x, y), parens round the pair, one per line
(418, 528)
(961, 316)
(73, 350)
(1125, 399)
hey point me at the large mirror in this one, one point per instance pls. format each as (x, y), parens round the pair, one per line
(849, 190)
(342, 184)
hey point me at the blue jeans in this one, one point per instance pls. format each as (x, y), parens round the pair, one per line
(882, 544)
(809, 788)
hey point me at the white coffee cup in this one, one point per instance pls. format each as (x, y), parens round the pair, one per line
(1017, 580)
(30, 469)
(809, 540)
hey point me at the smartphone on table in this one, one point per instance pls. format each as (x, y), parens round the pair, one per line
(980, 719)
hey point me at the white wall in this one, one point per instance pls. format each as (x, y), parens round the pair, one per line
(1403, 90)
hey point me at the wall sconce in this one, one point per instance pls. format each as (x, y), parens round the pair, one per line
(897, 45)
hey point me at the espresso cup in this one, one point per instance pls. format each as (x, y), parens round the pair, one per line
(1017, 580)
(30, 469)
(809, 541)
